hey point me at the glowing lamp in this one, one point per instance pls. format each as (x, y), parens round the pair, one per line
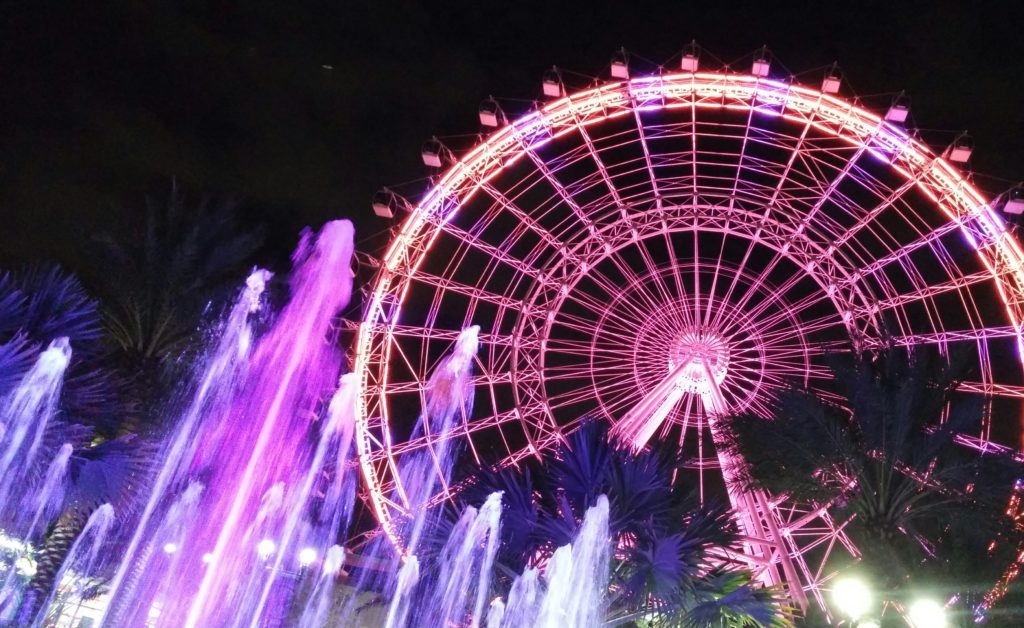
(899, 110)
(431, 153)
(852, 597)
(25, 566)
(490, 113)
(208, 558)
(307, 556)
(1014, 201)
(761, 66)
(170, 548)
(265, 548)
(552, 83)
(961, 149)
(927, 613)
(620, 65)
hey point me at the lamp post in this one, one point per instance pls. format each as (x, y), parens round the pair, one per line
(926, 613)
(854, 603)
(853, 599)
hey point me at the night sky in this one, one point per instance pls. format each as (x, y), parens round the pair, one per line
(103, 102)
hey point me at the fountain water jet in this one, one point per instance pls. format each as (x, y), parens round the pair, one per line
(314, 615)
(221, 375)
(24, 415)
(81, 561)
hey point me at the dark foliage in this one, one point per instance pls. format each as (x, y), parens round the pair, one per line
(925, 510)
(157, 280)
(663, 566)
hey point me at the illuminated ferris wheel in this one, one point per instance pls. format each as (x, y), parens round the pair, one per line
(660, 250)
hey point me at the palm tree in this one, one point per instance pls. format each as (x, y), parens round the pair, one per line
(925, 511)
(43, 302)
(157, 281)
(666, 569)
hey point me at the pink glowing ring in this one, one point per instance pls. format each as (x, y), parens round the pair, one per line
(675, 244)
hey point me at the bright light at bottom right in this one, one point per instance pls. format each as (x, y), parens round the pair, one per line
(927, 614)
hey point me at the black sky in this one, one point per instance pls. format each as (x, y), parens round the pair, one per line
(102, 102)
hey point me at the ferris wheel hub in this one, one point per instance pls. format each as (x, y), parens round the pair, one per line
(706, 358)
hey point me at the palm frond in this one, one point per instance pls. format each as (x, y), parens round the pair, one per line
(111, 472)
(13, 305)
(730, 599)
(16, 357)
(158, 278)
(58, 305)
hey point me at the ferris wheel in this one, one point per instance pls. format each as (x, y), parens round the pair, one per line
(660, 250)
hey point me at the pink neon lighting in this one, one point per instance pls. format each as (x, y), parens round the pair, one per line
(775, 328)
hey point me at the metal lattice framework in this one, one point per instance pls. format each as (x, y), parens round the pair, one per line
(661, 250)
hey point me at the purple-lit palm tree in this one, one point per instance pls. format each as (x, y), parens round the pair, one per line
(39, 304)
(668, 565)
(112, 472)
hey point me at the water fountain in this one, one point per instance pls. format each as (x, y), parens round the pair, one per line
(240, 521)
(28, 505)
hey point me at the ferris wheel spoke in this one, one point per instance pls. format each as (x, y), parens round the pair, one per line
(522, 216)
(872, 214)
(563, 193)
(759, 285)
(790, 312)
(582, 371)
(774, 331)
(651, 266)
(904, 250)
(588, 326)
(796, 371)
(738, 273)
(825, 193)
(439, 334)
(711, 307)
(611, 289)
(433, 440)
(721, 251)
(677, 278)
(494, 252)
(992, 389)
(637, 282)
(603, 308)
(945, 337)
(420, 386)
(958, 283)
(569, 398)
(473, 292)
(658, 280)
(583, 348)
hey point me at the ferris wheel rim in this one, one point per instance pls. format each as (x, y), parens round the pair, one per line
(959, 201)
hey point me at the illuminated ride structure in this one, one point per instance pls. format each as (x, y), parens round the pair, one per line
(661, 250)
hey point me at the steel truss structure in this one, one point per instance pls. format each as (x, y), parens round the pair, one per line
(662, 250)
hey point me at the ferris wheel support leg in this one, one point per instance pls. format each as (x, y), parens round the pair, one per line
(755, 513)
